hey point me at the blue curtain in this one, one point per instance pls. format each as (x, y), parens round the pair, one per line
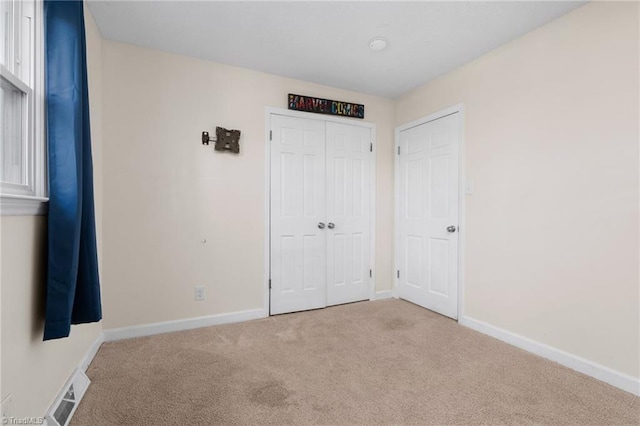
(73, 286)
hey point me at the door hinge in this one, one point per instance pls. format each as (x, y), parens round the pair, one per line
(269, 283)
(371, 147)
(370, 273)
(270, 135)
(398, 273)
(398, 150)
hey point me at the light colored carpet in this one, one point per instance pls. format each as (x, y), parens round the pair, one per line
(385, 362)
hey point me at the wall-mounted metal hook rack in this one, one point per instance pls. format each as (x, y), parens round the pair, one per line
(225, 140)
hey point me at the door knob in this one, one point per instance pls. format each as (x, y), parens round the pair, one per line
(321, 225)
(331, 225)
(451, 228)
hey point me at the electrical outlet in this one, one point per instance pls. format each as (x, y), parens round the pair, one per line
(199, 292)
(6, 408)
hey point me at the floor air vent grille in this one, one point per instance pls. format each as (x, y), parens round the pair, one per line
(66, 403)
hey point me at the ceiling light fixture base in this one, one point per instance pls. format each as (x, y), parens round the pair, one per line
(377, 44)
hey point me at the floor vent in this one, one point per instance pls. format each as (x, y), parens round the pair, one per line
(66, 403)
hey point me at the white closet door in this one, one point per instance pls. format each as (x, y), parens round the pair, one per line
(429, 215)
(298, 245)
(348, 213)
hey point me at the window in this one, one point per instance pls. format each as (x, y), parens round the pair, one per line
(22, 146)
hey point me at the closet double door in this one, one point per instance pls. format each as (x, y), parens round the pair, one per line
(320, 213)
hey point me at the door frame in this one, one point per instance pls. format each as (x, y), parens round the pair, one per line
(267, 201)
(459, 108)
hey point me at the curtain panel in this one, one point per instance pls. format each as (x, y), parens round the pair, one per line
(73, 285)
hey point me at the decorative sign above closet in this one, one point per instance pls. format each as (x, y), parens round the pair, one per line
(325, 106)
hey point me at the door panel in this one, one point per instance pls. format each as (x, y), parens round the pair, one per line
(428, 205)
(348, 201)
(320, 172)
(298, 246)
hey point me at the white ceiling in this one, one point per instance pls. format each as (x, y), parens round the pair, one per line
(328, 42)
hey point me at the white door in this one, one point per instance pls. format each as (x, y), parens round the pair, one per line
(348, 213)
(298, 245)
(320, 206)
(428, 234)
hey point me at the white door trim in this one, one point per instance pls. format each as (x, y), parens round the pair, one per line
(459, 108)
(267, 203)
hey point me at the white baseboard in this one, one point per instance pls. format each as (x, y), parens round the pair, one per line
(384, 294)
(605, 374)
(91, 353)
(180, 325)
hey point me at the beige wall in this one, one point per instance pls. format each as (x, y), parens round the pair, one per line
(551, 138)
(33, 371)
(164, 192)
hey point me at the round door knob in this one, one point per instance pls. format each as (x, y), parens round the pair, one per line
(321, 225)
(451, 228)
(331, 225)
